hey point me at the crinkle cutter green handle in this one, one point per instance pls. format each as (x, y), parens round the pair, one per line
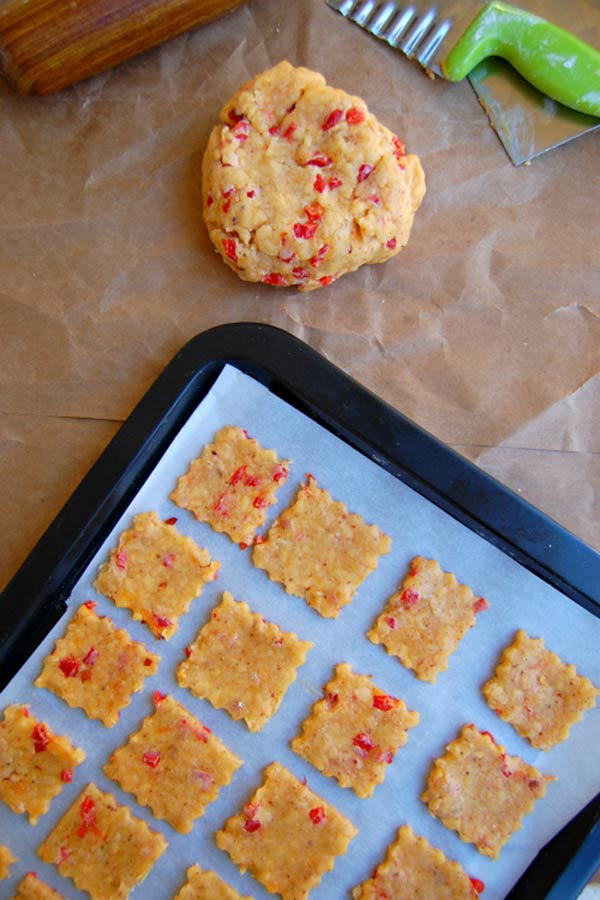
(552, 60)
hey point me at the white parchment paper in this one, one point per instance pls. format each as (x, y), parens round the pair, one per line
(517, 599)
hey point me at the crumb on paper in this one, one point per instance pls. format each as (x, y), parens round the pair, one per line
(174, 764)
(354, 732)
(541, 696)
(320, 551)
(424, 622)
(96, 666)
(155, 572)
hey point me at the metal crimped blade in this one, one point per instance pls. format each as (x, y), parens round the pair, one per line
(402, 25)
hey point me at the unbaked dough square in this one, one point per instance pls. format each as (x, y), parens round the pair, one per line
(32, 888)
(155, 572)
(174, 764)
(203, 884)
(413, 870)
(6, 860)
(232, 484)
(96, 666)
(242, 663)
(354, 732)
(286, 835)
(481, 792)
(424, 622)
(35, 763)
(102, 846)
(320, 551)
(539, 694)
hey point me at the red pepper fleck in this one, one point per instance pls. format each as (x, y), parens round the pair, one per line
(387, 758)
(87, 814)
(384, 702)
(238, 475)
(374, 199)
(234, 116)
(478, 885)
(409, 597)
(319, 255)
(326, 280)
(287, 256)
(363, 741)
(319, 159)
(121, 559)
(230, 249)
(314, 212)
(274, 129)
(332, 119)
(319, 183)
(251, 194)
(171, 521)
(90, 657)
(259, 539)
(241, 130)
(252, 825)
(40, 737)
(480, 604)
(259, 503)
(398, 147)
(354, 115)
(280, 473)
(289, 131)
(391, 244)
(300, 273)
(69, 666)
(147, 661)
(505, 770)
(490, 736)
(158, 697)
(90, 604)
(305, 231)
(334, 182)
(188, 652)
(151, 758)
(251, 481)
(220, 506)
(202, 733)
(364, 171)
(168, 560)
(317, 815)
(209, 201)
(275, 278)
(533, 784)
(67, 776)
(63, 854)
(161, 621)
(332, 699)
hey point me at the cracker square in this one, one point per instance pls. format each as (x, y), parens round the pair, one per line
(320, 551)
(35, 763)
(242, 663)
(539, 694)
(424, 622)
(354, 731)
(203, 884)
(285, 813)
(96, 666)
(6, 861)
(102, 846)
(232, 484)
(414, 869)
(155, 572)
(174, 764)
(32, 888)
(481, 792)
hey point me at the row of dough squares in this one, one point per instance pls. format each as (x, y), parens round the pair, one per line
(157, 572)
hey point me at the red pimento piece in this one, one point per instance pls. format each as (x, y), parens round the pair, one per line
(326, 280)
(251, 194)
(319, 183)
(90, 604)
(305, 231)
(260, 539)
(319, 255)
(480, 604)
(67, 776)
(334, 182)
(241, 130)
(151, 758)
(220, 506)
(252, 481)
(478, 885)
(238, 475)
(320, 159)
(354, 116)
(384, 702)
(259, 503)
(317, 815)
(158, 697)
(40, 738)
(275, 278)
(230, 249)
(234, 116)
(399, 149)
(409, 597)
(63, 854)
(333, 119)
(209, 201)
(374, 199)
(252, 825)
(90, 657)
(274, 130)
(279, 473)
(161, 621)
(364, 171)
(332, 699)
(147, 661)
(69, 666)
(121, 559)
(489, 735)
(391, 244)
(391, 622)
(289, 131)
(188, 652)
(505, 770)
(314, 212)
(168, 560)
(171, 521)
(363, 742)
(87, 814)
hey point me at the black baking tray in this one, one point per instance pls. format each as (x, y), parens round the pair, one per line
(37, 596)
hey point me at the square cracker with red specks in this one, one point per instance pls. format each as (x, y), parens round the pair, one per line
(203, 884)
(35, 763)
(320, 551)
(174, 764)
(354, 732)
(32, 888)
(102, 846)
(285, 813)
(414, 869)
(242, 663)
(232, 484)
(481, 792)
(155, 572)
(424, 622)
(539, 694)
(96, 666)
